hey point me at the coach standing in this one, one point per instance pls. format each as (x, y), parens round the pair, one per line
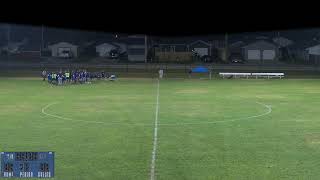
(160, 73)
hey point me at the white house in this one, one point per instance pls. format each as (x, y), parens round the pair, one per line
(104, 49)
(201, 47)
(260, 50)
(61, 48)
(314, 50)
(313, 53)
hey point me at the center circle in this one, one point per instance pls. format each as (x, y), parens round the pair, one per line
(176, 113)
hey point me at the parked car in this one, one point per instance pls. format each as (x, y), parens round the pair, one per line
(236, 59)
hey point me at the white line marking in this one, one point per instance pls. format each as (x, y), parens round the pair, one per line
(230, 120)
(69, 119)
(155, 138)
(43, 110)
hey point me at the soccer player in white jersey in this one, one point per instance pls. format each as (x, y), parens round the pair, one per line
(161, 73)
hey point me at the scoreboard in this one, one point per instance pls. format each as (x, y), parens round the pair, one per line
(27, 164)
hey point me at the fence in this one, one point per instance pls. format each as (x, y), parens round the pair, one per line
(151, 69)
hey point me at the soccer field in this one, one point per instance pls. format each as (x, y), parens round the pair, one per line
(205, 129)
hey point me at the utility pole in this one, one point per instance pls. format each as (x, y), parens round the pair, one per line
(145, 48)
(226, 47)
(41, 46)
(8, 39)
(8, 34)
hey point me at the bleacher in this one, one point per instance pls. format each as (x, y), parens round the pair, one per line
(247, 75)
(268, 75)
(235, 75)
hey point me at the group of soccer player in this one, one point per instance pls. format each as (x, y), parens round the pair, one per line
(74, 77)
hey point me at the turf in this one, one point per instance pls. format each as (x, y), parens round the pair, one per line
(208, 129)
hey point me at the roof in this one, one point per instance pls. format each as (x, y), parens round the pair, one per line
(317, 45)
(105, 44)
(200, 41)
(260, 44)
(236, 44)
(63, 44)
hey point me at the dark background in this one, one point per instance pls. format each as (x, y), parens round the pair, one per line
(165, 18)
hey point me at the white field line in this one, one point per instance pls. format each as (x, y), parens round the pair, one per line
(155, 138)
(230, 120)
(43, 110)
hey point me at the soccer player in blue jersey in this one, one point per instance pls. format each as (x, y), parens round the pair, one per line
(49, 78)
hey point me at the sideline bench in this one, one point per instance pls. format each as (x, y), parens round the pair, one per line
(235, 75)
(256, 75)
(268, 75)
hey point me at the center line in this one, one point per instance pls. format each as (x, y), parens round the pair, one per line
(155, 138)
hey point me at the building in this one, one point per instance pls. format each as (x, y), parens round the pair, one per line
(313, 54)
(15, 47)
(61, 48)
(137, 48)
(261, 51)
(103, 50)
(173, 50)
(201, 47)
(122, 47)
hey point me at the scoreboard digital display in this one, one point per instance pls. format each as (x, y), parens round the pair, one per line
(27, 164)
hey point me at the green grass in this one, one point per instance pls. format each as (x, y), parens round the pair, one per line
(105, 129)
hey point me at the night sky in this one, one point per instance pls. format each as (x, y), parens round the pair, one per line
(53, 35)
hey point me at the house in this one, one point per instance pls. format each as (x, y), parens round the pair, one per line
(313, 53)
(103, 50)
(172, 50)
(261, 51)
(136, 48)
(201, 47)
(121, 46)
(14, 47)
(59, 49)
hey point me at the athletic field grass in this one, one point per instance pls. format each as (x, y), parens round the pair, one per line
(206, 129)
